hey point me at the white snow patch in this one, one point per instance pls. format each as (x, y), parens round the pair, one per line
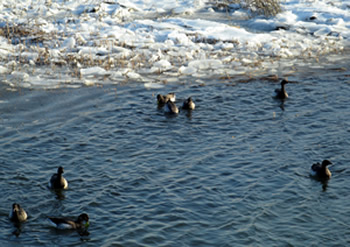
(205, 64)
(152, 85)
(160, 66)
(69, 43)
(129, 39)
(94, 71)
(3, 70)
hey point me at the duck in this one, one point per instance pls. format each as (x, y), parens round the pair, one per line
(62, 224)
(17, 214)
(281, 93)
(188, 104)
(171, 108)
(321, 171)
(57, 181)
(163, 99)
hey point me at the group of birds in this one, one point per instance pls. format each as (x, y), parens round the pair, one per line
(168, 101)
(319, 171)
(57, 182)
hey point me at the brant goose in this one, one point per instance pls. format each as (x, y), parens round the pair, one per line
(171, 108)
(189, 104)
(17, 214)
(57, 181)
(321, 171)
(163, 99)
(281, 93)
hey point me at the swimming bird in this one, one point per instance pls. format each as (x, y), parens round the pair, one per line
(281, 93)
(17, 214)
(321, 171)
(170, 107)
(57, 181)
(189, 104)
(162, 99)
(80, 223)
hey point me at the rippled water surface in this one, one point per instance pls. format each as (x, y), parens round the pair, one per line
(234, 172)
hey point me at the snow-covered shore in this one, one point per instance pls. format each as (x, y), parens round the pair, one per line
(50, 44)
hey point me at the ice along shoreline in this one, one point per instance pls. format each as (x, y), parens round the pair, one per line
(62, 44)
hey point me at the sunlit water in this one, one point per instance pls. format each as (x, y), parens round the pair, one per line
(234, 172)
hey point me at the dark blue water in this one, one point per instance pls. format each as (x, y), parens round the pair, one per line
(234, 172)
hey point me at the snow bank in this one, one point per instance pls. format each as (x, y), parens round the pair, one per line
(132, 40)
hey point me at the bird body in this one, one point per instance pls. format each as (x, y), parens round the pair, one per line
(171, 108)
(321, 171)
(17, 214)
(163, 99)
(189, 104)
(62, 224)
(57, 181)
(282, 93)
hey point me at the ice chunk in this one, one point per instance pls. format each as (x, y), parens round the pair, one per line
(69, 43)
(94, 71)
(30, 55)
(179, 38)
(116, 76)
(133, 75)
(160, 66)
(17, 76)
(205, 64)
(227, 46)
(121, 52)
(152, 85)
(89, 83)
(322, 31)
(100, 51)
(187, 70)
(3, 70)
(246, 61)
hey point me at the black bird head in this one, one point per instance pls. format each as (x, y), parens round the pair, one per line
(326, 163)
